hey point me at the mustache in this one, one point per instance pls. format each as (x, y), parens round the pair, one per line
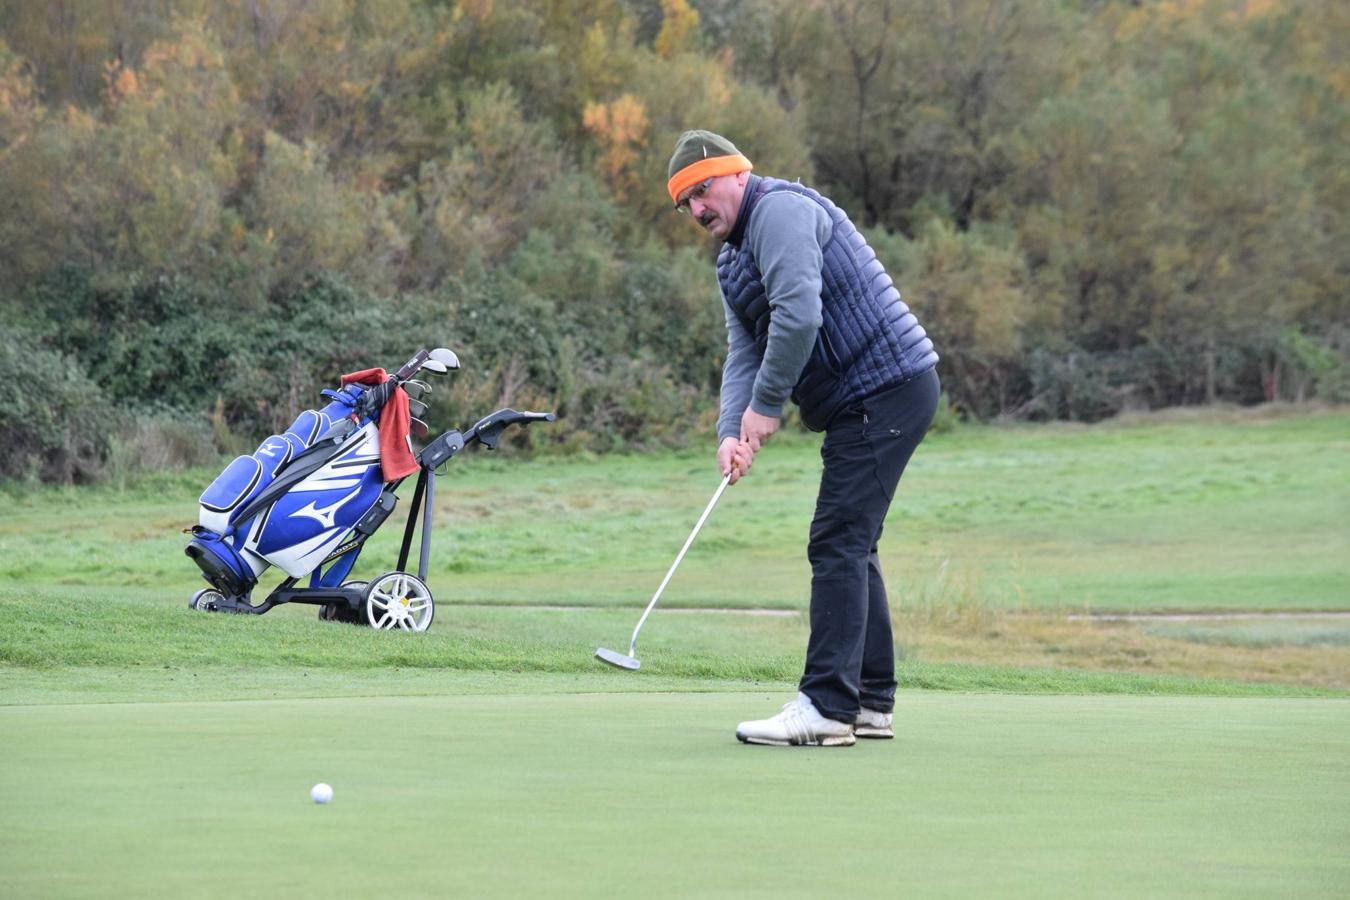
(706, 218)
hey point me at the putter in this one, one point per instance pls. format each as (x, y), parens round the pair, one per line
(613, 657)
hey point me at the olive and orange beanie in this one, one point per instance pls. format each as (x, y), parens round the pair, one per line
(700, 155)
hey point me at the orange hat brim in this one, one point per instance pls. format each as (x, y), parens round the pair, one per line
(711, 167)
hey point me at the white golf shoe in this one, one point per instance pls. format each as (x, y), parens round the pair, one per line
(799, 724)
(873, 724)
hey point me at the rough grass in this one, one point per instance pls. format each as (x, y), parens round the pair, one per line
(1257, 633)
(1037, 640)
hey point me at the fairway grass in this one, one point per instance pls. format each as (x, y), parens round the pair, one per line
(1241, 510)
(583, 795)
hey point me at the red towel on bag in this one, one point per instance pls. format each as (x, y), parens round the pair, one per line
(396, 456)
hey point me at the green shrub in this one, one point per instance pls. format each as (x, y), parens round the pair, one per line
(160, 439)
(55, 422)
(1076, 385)
(169, 343)
(1318, 366)
(303, 340)
(159, 341)
(947, 416)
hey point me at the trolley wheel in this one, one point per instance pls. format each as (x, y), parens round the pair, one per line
(399, 600)
(341, 612)
(205, 600)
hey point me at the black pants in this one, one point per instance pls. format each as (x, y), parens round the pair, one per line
(850, 659)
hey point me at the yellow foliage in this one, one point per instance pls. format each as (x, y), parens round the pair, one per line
(1183, 11)
(977, 288)
(120, 82)
(719, 89)
(603, 57)
(594, 53)
(678, 21)
(621, 128)
(1255, 9)
(81, 124)
(20, 110)
(478, 10)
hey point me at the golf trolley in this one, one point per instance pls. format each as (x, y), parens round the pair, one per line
(307, 500)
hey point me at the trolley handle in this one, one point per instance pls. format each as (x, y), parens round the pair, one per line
(488, 430)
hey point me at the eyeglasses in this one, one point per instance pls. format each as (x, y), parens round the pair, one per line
(698, 190)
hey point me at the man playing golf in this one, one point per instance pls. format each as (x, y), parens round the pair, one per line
(812, 316)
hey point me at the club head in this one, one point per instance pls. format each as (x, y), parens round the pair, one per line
(417, 407)
(419, 427)
(416, 389)
(445, 357)
(618, 660)
(432, 365)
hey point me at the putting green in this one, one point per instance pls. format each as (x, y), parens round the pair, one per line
(650, 795)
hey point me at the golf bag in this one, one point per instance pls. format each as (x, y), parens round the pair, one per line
(307, 499)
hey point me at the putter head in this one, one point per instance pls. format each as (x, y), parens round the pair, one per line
(617, 660)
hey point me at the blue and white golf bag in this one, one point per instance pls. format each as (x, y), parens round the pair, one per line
(307, 499)
(299, 527)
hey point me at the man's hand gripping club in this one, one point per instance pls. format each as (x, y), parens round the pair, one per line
(739, 455)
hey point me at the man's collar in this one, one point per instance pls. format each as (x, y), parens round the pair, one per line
(743, 216)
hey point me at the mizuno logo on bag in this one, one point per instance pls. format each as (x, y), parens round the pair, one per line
(323, 516)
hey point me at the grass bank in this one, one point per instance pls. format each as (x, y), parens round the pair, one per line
(996, 534)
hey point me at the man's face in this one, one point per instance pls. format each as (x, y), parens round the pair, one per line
(717, 206)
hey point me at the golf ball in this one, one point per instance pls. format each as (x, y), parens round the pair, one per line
(321, 793)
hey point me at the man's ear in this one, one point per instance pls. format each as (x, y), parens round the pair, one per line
(743, 178)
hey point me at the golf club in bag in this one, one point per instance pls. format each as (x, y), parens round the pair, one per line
(307, 500)
(630, 661)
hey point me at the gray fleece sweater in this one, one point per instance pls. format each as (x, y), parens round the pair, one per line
(785, 237)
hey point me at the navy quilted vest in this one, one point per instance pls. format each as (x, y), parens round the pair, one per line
(869, 340)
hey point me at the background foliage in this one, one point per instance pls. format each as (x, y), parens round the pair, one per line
(208, 210)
